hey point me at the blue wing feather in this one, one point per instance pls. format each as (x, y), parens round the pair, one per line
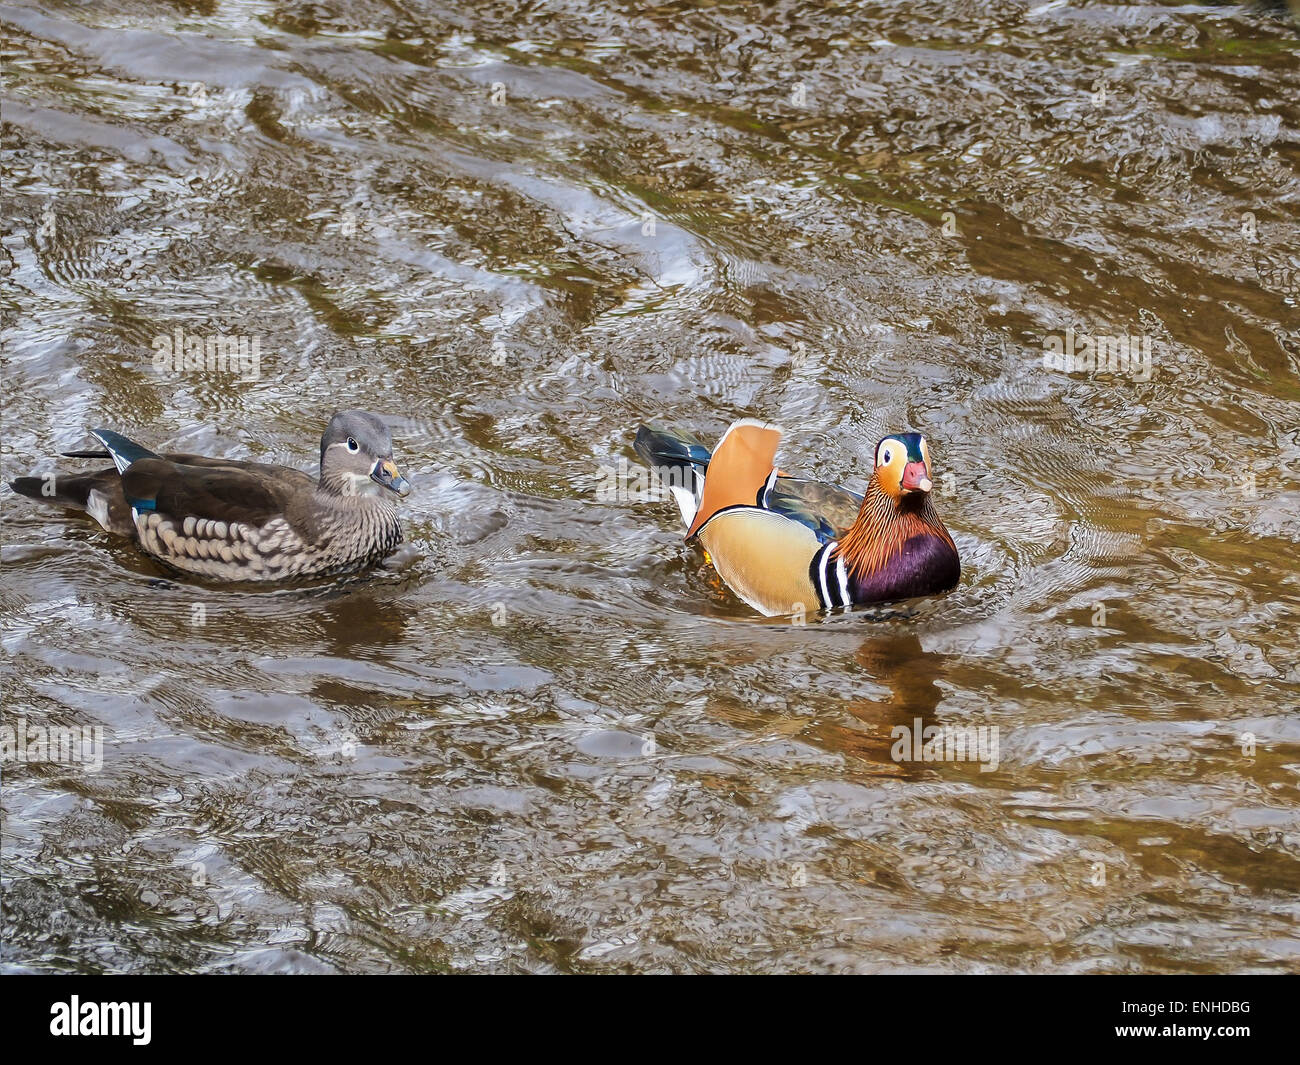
(123, 451)
(826, 509)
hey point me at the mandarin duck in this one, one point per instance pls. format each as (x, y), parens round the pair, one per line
(786, 544)
(229, 520)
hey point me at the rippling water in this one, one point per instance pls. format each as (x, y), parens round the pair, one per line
(555, 741)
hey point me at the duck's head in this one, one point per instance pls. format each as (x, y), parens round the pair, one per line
(356, 456)
(903, 467)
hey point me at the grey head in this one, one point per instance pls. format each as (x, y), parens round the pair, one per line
(356, 457)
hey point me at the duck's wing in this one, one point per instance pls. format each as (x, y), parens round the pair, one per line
(236, 494)
(826, 509)
(177, 485)
(182, 486)
(740, 471)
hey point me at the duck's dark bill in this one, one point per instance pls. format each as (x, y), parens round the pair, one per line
(385, 473)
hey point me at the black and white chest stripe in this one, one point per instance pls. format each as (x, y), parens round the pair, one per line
(830, 578)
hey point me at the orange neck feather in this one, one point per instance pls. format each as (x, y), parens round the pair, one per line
(883, 526)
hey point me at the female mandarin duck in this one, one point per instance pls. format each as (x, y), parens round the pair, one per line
(784, 543)
(245, 521)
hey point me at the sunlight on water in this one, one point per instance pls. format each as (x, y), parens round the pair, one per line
(1061, 241)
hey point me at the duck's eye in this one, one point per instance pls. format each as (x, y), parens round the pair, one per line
(886, 457)
(353, 445)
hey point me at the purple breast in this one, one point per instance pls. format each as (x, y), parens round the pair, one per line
(926, 565)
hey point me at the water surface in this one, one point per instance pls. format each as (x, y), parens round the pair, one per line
(555, 742)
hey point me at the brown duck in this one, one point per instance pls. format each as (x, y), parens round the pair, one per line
(228, 520)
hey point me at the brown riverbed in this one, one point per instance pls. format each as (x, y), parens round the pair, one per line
(555, 742)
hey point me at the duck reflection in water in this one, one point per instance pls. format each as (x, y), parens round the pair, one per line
(901, 728)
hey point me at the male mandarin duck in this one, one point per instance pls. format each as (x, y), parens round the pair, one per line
(228, 520)
(786, 544)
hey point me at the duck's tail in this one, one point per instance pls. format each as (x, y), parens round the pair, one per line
(679, 460)
(98, 493)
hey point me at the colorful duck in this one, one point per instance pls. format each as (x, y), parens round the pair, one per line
(787, 545)
(229, 520)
